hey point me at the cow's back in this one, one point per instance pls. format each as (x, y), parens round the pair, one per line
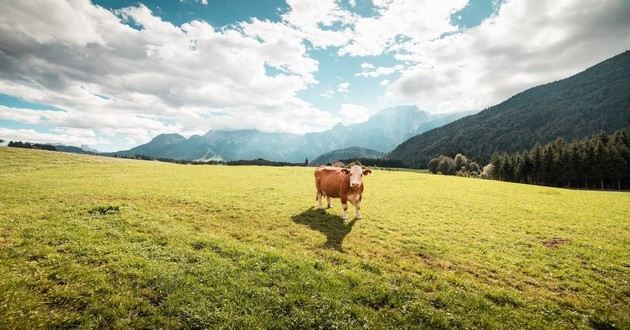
(330, 180)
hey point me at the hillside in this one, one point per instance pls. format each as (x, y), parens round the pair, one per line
(382, 132)
(347, 153)
(593, 100)
(115, 243)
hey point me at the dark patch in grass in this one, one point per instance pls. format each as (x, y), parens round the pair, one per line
(599, 322)
(154, 297)
(377, 298)
(502, 299)
(370, 268)
(199, 245)
(318, 265)
(35, 256)
(438, 303)
(334, 227)
(554, 242)
(161, 240)
(104, 210)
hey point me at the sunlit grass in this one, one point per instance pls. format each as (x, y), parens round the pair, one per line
(100, 242)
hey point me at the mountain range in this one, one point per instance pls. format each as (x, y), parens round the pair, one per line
(381, 132)
(597, 99)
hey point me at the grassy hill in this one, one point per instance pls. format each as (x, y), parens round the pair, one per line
(347, 153)
(99, 242)
(597, 99)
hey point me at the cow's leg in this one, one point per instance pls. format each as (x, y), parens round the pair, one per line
(357, 209)
(319, 199)
(344, 204)
(329, 202)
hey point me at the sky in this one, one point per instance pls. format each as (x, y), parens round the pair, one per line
(114, 74)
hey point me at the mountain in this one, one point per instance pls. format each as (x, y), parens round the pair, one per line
(172, 146)
(88, 149)
(597, 99)
(84, 149)
(72, 149)
(347, 153)
(381, 132)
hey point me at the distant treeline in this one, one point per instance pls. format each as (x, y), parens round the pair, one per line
(599, 162)
(375, 162)
(28, 145)
(258, 161)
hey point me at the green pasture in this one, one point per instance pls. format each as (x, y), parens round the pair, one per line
(95, 242)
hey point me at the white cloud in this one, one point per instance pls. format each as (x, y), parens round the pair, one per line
(82, 59)
(329, 93)
(62, 137)
(367, 66)
(343, 87)
(314, 19)
(372, 71)
(527, 43)
(117, 80)
(399, 25)
(353, 113)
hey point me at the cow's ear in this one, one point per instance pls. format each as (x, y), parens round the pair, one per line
(367, 171)
(345, 171)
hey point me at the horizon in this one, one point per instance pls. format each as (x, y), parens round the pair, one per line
(113, 75)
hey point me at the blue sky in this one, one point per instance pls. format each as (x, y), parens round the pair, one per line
(113, 74)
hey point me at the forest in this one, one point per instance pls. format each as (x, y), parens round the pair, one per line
(599, 162)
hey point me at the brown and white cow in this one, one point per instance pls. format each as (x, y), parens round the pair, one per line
(336, 182)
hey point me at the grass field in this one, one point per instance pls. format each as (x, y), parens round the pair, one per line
(110, 243)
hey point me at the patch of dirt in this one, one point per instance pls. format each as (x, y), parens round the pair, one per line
(554, 242)
(104, 210)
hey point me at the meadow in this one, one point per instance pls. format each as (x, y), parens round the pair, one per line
(110, 243)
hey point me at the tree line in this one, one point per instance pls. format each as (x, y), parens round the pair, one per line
(599, 162)
(28, 145)
(375, 162)
(257, 161)
(460, 165)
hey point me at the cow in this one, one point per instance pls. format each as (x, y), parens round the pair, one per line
(336, 182)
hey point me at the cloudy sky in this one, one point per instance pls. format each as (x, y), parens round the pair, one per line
(113, 74)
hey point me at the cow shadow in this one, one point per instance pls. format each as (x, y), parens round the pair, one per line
(333, 226)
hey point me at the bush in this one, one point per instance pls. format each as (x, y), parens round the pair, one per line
(460, 165)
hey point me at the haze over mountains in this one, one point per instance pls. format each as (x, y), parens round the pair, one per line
(381, 132)
(346, 154)
(597, 99)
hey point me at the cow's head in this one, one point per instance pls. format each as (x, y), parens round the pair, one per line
(356, 173)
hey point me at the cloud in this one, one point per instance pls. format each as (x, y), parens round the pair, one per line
(343, 87)
(353, 113)
(329, 93)
(399, 25)
(323, 22)
(110, 70)
(372, 71)
(130, 74)
(60, 136)
(525, 44)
